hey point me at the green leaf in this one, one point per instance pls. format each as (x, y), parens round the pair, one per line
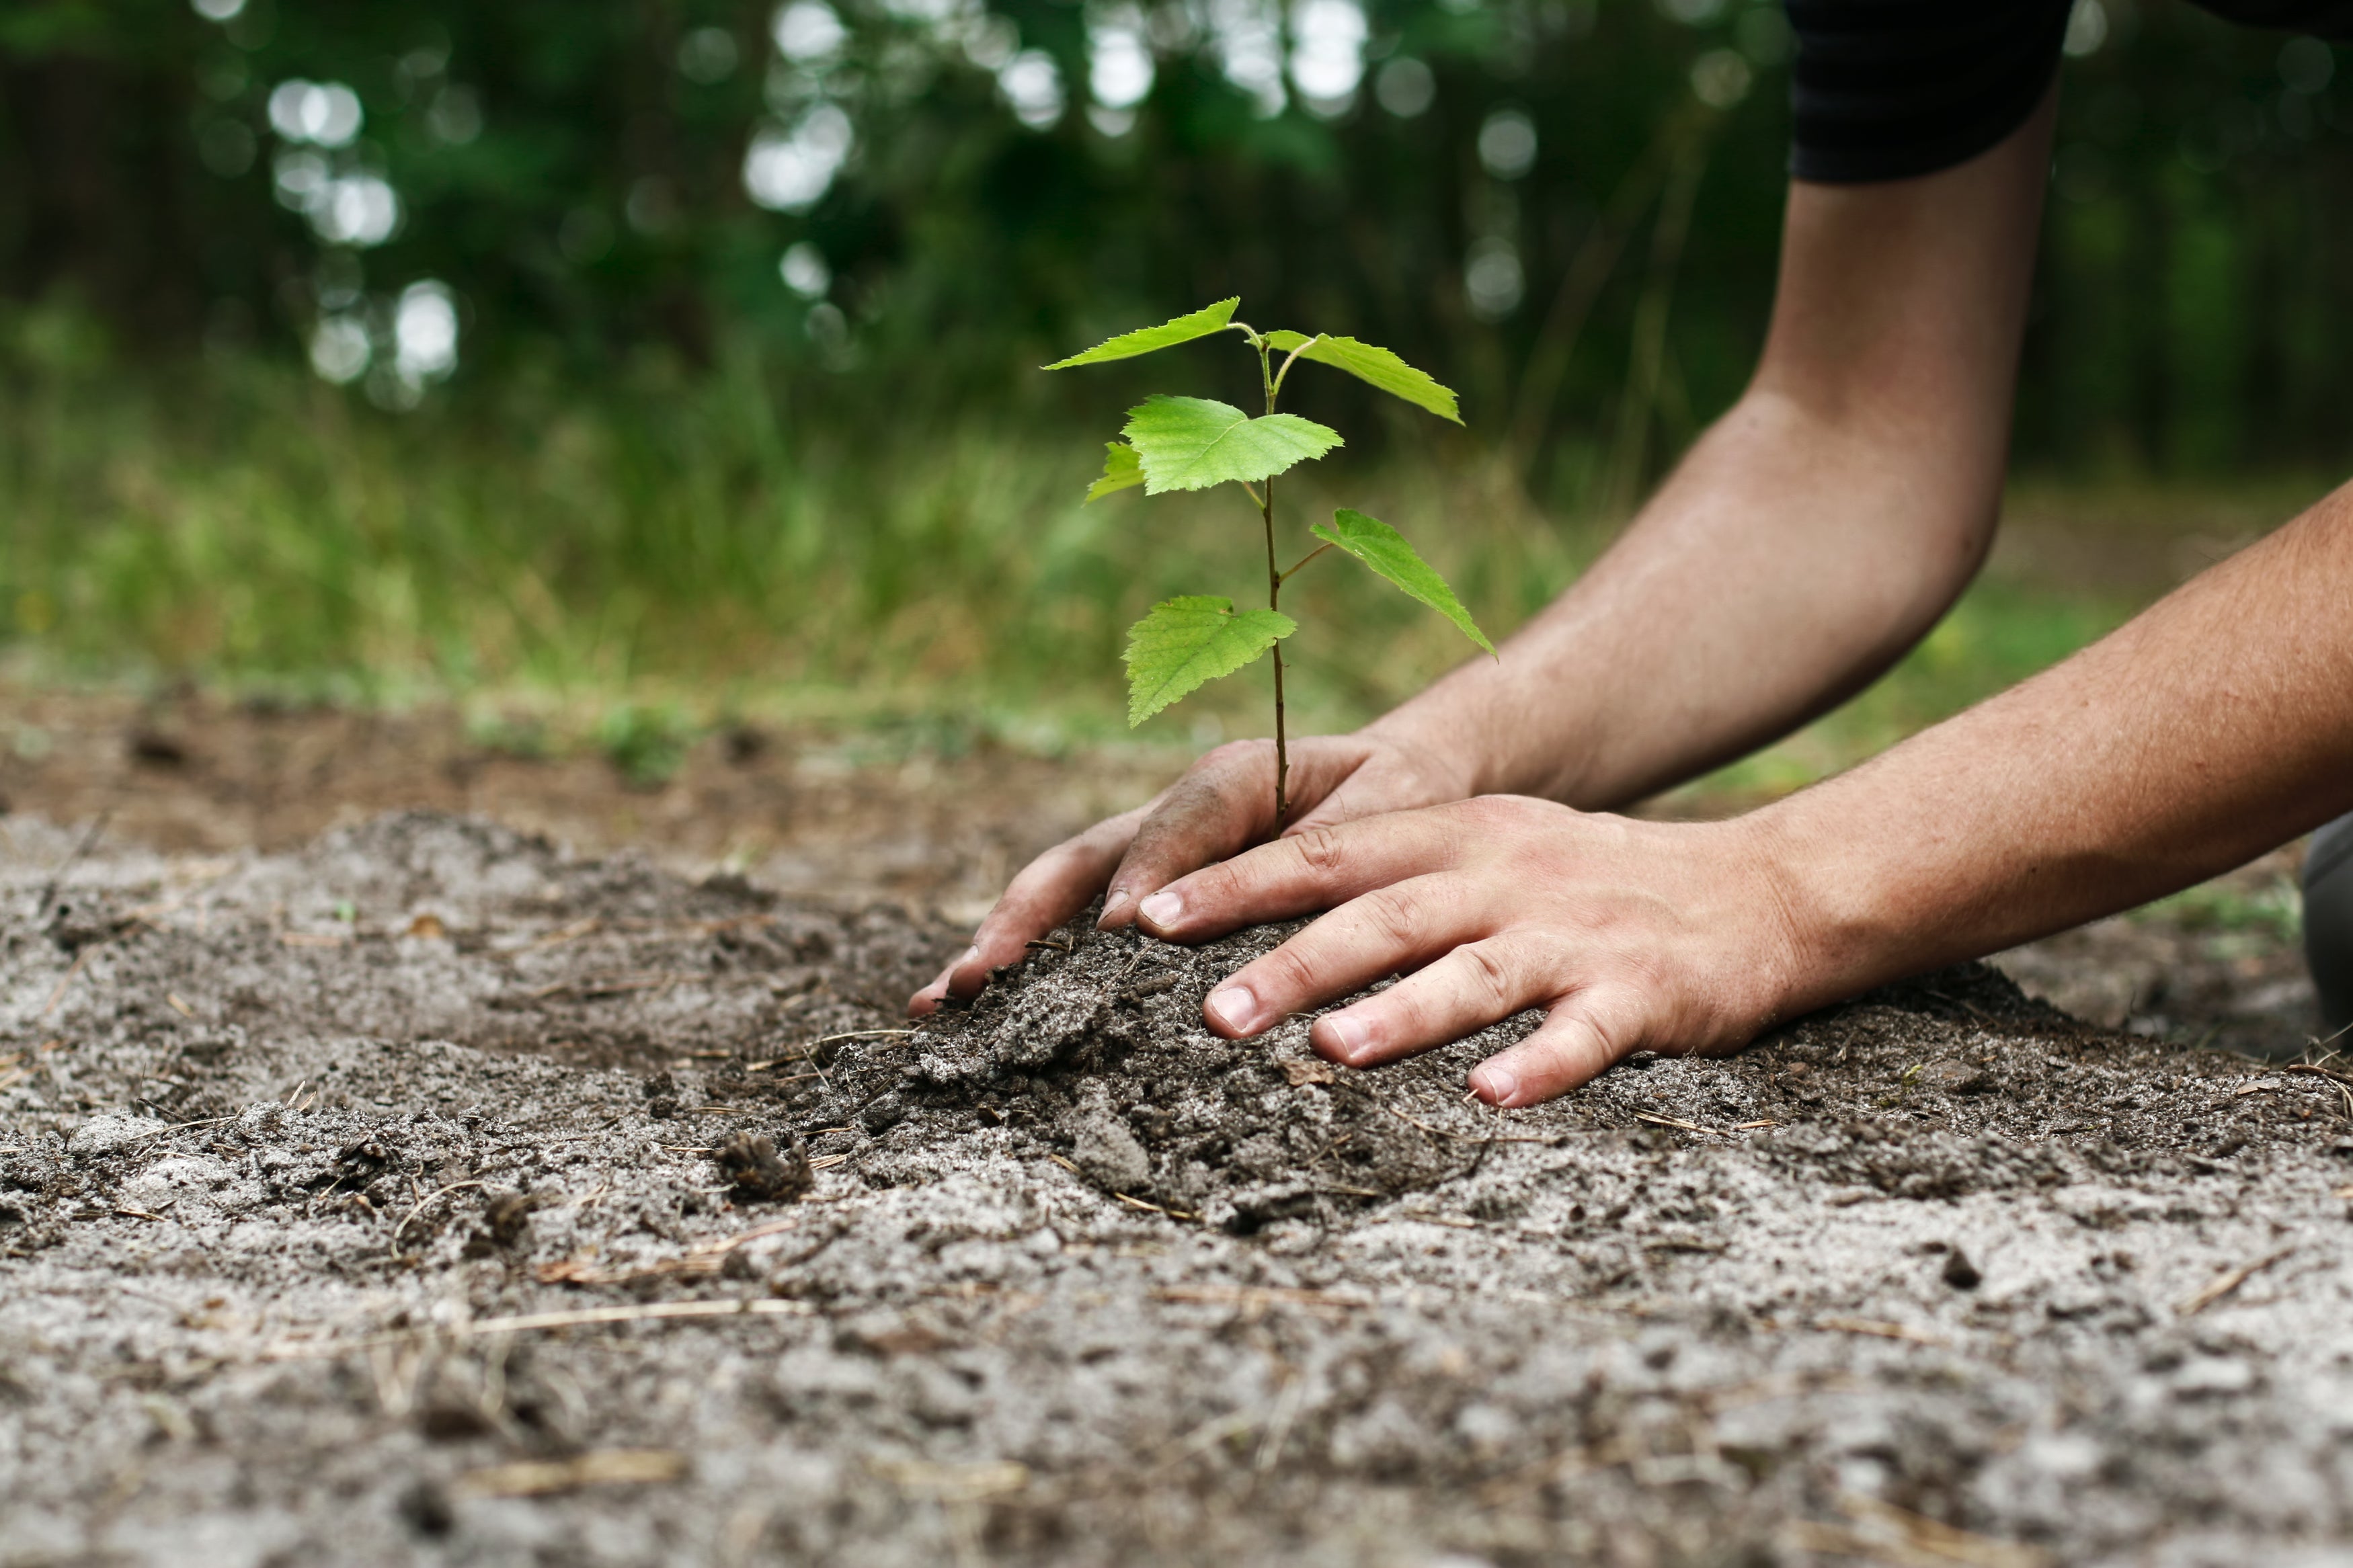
(1376, 365)
(1167, 335)
(1186, 641)
(1192, 443)
(1121, 470)
(1384, 549)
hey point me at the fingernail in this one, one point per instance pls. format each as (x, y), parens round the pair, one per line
(1348, 1034)
(1495, 1084)
(1234, 1007)
(1162, 909)
(1113, 901)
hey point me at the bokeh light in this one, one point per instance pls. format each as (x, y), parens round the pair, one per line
(805, 270)
(325, 114)
(1327, 57)
(1507, 143)
(1492, 280)
(790, 170)
(1033, 84)
(1406, 87)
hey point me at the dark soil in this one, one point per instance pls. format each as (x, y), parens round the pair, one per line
(427, 1194)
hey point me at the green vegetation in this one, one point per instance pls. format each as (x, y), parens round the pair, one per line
(1568, 210)
(704, 548)
(1197, 444)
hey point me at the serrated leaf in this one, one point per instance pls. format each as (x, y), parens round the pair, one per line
(1376, 365)
(1187, 642)
(1121, 470)
(1192, 443)
(1167, 335)
(1385, 550)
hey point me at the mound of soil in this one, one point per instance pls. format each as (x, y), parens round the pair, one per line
(427, 1194)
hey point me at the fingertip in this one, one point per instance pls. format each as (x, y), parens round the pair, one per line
(1232, 1011)
(1162, 913)
(1341, 1039)
(1119, 910)
(962, 978)
(1495, 1083)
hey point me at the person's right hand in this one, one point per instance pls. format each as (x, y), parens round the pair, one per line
(1223, 805)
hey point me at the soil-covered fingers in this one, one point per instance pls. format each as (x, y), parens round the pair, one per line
(1478, 983)
(1223, 804)
(1583, 1035)
(1303, 872)
(1049, 890)
(1399, 927)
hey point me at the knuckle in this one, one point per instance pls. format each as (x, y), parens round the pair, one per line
(1292, 971)
(1489, 975)
(1234, 756)
(1478, 811)
(1320, 849)
(1388, 917)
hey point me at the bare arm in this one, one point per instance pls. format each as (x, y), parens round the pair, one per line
(2211, 728)
(1813, 534)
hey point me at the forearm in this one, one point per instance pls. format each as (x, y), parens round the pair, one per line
(1790, 558)
(2213, 727)
(1813, 534)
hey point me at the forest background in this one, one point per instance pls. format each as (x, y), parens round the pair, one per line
(639, 366)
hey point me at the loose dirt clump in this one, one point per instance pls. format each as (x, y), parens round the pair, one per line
(427, 1194)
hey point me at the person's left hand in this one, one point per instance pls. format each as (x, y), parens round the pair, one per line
(1632, 936)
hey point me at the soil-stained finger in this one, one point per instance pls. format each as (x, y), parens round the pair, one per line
(1049, 890)
(1583, 1035)
(1224, 803)
(1401, 927)
(1303, 872)
(1476, 984)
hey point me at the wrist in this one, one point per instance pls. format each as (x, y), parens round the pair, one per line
(1833, 900)
(1446, 755)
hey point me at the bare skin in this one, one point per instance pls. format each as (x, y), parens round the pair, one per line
(1816, 532)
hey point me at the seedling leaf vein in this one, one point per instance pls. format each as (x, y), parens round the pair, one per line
(1376, 367)
(1192, 443)
(1188, 641)
(1385, 550)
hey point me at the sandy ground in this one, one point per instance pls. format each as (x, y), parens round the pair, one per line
(397, 1192)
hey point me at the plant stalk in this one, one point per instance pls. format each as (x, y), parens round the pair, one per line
(1272, 384)
(1274, 602)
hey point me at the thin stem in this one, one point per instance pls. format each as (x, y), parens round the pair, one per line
(1291, 360)
(1303, 562)
(1274, 602)
(1252, 493)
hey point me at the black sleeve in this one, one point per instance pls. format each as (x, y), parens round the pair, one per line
(1885, 90)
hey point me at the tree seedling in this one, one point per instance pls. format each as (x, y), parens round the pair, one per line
(1193, 444)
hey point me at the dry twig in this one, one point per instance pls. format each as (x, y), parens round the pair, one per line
(602, 1467)
(1877, 1330)
(2222, 1284)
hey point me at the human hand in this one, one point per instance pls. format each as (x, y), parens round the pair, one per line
(1632, 936)
(1223, 804)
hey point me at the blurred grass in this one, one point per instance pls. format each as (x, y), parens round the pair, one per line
(672, 552)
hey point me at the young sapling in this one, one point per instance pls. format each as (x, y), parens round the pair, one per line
(1195, 443)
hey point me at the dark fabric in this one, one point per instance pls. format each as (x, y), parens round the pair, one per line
(2328, 921)
(1885, 89)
